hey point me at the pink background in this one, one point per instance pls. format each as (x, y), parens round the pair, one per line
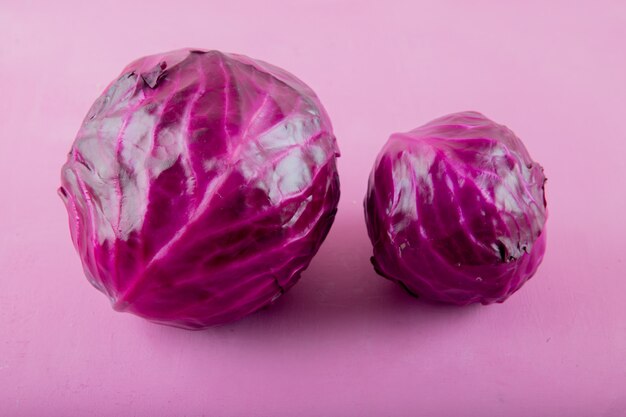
(343, 342)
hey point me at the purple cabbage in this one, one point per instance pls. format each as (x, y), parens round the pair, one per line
(456, 211)
(200, 186)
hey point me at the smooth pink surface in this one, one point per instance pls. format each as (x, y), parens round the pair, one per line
(344, 341)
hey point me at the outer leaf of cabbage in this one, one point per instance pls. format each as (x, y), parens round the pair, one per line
(200, 185)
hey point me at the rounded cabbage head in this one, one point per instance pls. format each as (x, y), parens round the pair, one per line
(199, 186)
(456, 210)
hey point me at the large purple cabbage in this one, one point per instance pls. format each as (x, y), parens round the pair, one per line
(456, 210)
(200, 186)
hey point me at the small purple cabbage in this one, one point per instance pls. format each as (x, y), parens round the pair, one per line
(200, 186)
(456, 211)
